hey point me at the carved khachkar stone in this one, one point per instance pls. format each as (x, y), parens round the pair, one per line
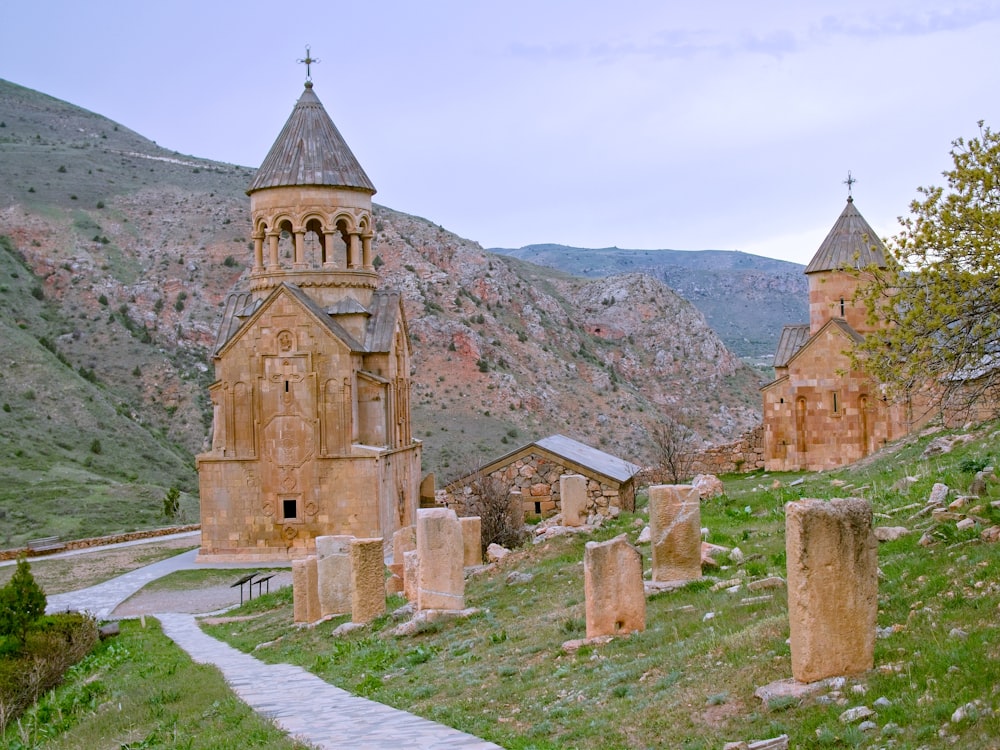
(441, 583)
(675, 532)
(305, 591)
(515, 502)
(472, 540)
(367, 580)
(832, 558)
(334, 574)
(573, 494)
(612, 579)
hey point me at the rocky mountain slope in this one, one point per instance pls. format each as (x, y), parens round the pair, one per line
(133, 249)
(745, 298)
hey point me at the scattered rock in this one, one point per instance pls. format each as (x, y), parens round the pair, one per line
(902, 485)
(496, 553)
(890, 533)
(969, 710)
(965, 524)
(776, 743)
(867, 726)
(939, 493)
(852, 715)
(426, 616)
(958, 633)
(926, 540)
(736, 555)
(882, 702)
(516, 577)
(708, 485)
(992, 534)
(108, 630)
(571, 647)
(771, 582)
(719, 585)
(345, 628)
(749, 601)
(789, 688)
(644, 536)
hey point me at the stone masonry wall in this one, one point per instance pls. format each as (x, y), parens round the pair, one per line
(536, 477)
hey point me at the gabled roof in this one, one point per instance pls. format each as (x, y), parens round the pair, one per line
(837, 324)
(580, 453)
(588, 460)
(310, 151)
(233, 323)
(793, 337)
(851, 243)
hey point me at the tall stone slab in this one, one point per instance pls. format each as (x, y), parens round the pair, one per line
(612, 580)
(411, 575)
(472, 540)
(573, 496)
(305, 591)
(441, 583)
(367, 580)
(515, 502)
(333, 574)
(675, 532)
(832, 559)
(404, 540)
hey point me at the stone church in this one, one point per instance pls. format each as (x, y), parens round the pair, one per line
(820, 412)
(311, 401)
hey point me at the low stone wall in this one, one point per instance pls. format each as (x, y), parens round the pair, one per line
(537, 479)
(743, 455)
(99, 541)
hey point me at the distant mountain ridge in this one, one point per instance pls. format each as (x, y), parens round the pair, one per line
(745, 298)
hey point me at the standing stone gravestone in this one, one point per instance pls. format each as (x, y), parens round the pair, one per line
(675, 532)
(305, 591)
(472, 540)
(441, 582)
(367, 579)
(612, 580)
(334, 574)
(573, 496)
(832, 559)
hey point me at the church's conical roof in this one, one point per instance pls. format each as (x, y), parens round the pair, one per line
(310, 151)
(851, 243)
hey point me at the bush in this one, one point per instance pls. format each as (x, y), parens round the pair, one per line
(54, 645)
(22, 602)
(500, 522)
(172, 502)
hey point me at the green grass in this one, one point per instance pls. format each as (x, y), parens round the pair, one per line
(139, 690)
(503, 675)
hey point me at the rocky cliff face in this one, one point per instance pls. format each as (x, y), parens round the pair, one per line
(138, 247)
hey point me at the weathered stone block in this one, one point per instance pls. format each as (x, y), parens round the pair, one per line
(573, 491)
(305, 592)
(441, 583)
(333, 574)
(832, 560)
(404, 540)
(675, 532)
(615, 599)
(472, 540)
(411, 575)
(367, 580)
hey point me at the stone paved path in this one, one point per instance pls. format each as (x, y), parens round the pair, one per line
(300, 703)
(309, 708)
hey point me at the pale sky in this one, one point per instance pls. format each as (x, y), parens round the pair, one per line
(712, 125)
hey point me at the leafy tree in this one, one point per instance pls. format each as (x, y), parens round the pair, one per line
(22, 602)
(939, 298)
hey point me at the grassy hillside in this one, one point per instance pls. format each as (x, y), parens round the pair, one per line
(74, 458)
(688, 681)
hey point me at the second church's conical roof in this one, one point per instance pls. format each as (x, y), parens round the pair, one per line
(310, 151)
(851, 243)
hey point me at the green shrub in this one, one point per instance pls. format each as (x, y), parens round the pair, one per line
(22, 602)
